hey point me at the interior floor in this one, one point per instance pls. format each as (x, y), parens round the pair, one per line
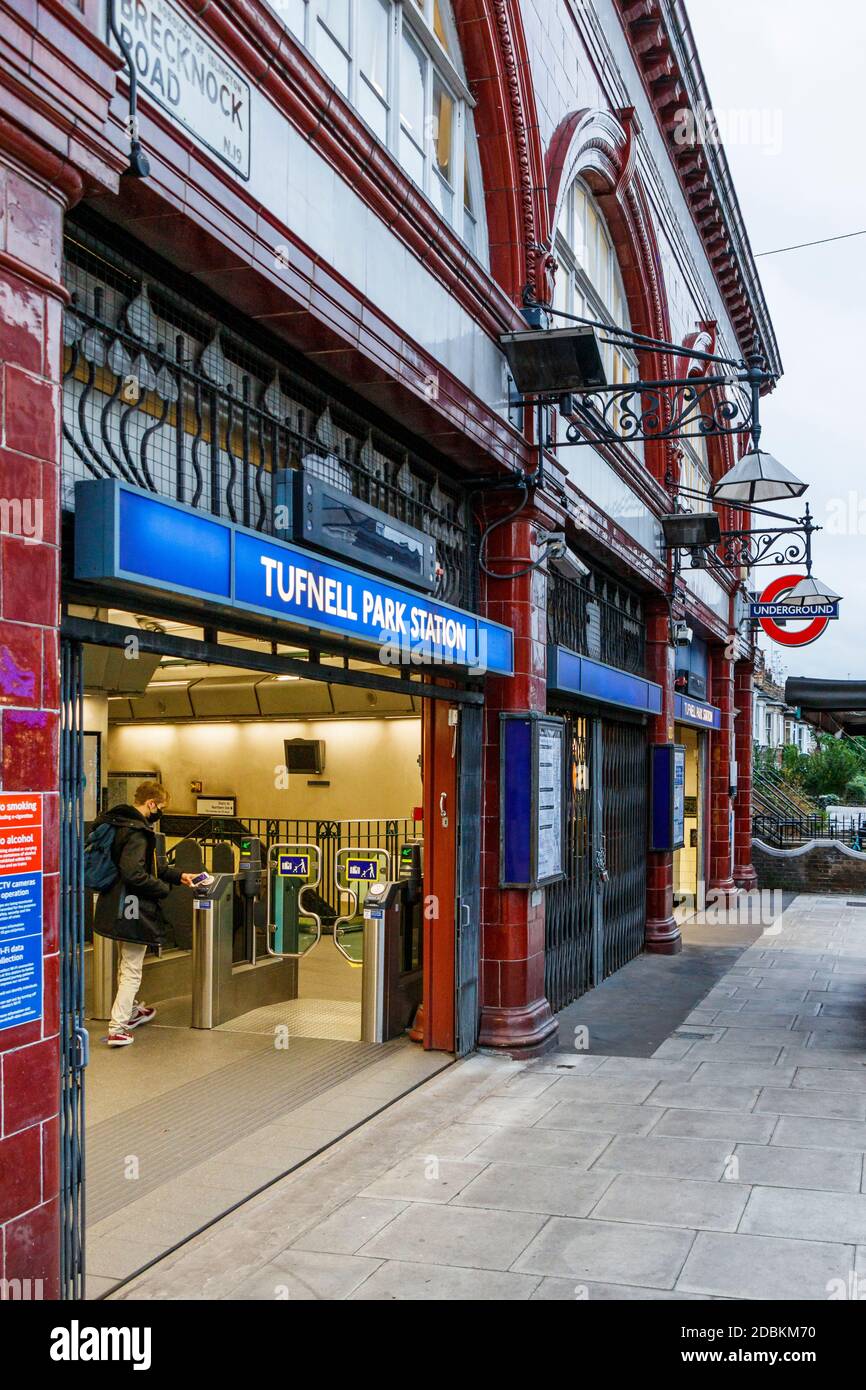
(186, 1123)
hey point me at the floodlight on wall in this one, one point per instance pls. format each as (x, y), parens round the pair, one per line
(758, 477)
(690, 530)
(810, 591)
(550, 362)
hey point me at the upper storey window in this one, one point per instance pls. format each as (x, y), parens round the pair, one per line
(588, 280)
(398, 62)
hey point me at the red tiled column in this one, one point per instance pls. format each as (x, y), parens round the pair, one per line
(31, 221)
(515, 1015)
(721, 882)
(744, 873)
(663, 935)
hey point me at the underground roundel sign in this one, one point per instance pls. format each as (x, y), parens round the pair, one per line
(790, 627)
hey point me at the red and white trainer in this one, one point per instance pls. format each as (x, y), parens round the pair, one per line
(141, 1013)
(120, 1039)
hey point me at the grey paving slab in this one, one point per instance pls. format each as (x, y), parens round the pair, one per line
(350, 1227)
(526, 1187)
(502, 1110)
(692, 1095)
(612, 1119)
(827, 1216)
(465, 1236)
(608, 1252)
(552, 1290)
(770, 1165)
(758, 1018)
(567, 1063)
(716, 1124)
(421, 1178)
(528, 1085)
(828, 1079)
(399, 1281)
(687, 1158)
(757, 1267)
(647, 1068)
(603, 1086)
(657, 1201)
(808, 1132)
(549, 1148)
(305, 1276)
(836, 1105)
(735, 1073)
(672, 1049)
(733, 1048)
(457, 1141)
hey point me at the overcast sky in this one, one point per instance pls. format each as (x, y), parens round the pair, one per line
(799, 67)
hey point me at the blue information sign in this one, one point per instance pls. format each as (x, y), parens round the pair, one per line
(294, 866)
(20, 908)
(363, 869)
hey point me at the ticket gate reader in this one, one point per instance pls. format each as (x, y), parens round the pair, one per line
(230, 976)
(356, 870)
(392, 985)
(294, 873)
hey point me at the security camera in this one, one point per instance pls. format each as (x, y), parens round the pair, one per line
(562, 559)
(683, 634)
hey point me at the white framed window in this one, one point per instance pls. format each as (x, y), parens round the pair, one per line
(398, 62)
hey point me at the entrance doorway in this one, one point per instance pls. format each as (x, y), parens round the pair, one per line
(299, 798)
(688, 863)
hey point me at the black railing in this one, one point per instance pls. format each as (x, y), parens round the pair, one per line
(328, 835)
(787, 832)
(169, 398)
(598, 618)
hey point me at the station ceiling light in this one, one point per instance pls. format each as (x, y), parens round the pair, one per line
(690, 530)
(758, 477)
(552, 361)
(810, 591)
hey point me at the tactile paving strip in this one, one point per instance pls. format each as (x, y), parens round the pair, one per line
(336, 1019)
(179, 1129)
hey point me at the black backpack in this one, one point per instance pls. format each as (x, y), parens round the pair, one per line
(100, 870)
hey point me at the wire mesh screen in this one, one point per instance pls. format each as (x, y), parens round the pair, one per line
(568, 909)
(171, 398)
(599, 618)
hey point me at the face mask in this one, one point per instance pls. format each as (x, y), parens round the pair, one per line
(153, 816)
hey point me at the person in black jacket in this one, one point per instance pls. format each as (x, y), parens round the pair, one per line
(129, 911)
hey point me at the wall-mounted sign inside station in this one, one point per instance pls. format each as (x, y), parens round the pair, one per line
(140, 541)
(771, 612)
(20, 908)
(532, 765)
(190, 79)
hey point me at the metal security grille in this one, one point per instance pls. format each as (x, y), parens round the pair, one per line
(624, 802)
(568, 958)
(73, 1035)
(599, 618)
(169, 397)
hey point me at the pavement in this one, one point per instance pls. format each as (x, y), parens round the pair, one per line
(726, 1165)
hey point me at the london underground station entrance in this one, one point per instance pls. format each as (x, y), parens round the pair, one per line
(288, 983)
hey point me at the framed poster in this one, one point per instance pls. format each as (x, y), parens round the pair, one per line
(667, 796)
(532, 799)
(92, 758)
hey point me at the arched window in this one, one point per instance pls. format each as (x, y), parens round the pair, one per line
(588, 280)
(398, 62)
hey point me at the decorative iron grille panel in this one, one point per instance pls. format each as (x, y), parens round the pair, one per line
(599, 618)
(624, 819)
(163, 395)
(569, 903)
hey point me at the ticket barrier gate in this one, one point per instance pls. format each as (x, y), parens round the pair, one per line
(294, 873)
(230, 976)
(356, 870)
(392, 985)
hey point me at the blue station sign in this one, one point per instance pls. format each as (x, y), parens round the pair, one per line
(696, 712)
(140, 541)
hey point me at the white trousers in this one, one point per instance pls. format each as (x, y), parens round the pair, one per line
(129, 971)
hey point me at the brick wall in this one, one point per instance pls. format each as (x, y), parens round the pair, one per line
(30, 241)
(823, 866)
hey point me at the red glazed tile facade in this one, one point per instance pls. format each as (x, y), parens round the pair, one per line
(543, 116)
